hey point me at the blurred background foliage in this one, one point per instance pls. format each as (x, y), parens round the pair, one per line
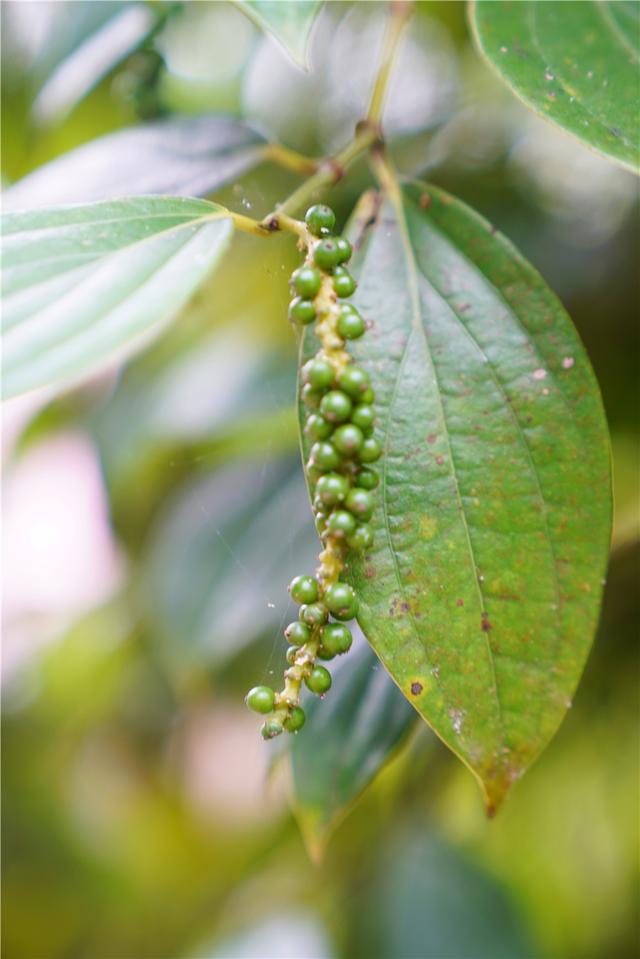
(154, 516)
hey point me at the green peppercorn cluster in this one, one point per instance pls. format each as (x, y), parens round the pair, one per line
(339, 421)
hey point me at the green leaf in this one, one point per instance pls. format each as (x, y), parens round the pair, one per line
(482, 590)
(182, 156)
(84, 285)
(574, 63)
(290, 23)
(347, 739)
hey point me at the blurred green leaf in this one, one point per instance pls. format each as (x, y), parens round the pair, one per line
(290, 23)
(482, 590)
(181, 156)
(575, 64)
(85, 285)
(347, 739)
(432, 903)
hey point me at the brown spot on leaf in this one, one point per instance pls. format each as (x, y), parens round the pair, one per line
(432, 437)
(425, 201)
(369, 572)
(459, 602)
(416, 689)
(440, 460)
(486, 625)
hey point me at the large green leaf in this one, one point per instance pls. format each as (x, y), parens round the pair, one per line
(290, 22)
(347, 739)
(482, 590)
(573, 63)
(83, 285)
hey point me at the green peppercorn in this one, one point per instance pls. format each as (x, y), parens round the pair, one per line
(336, 639)
(362, 538)
(310, 397)
(368, 397)
(332, 489)
(360, 503)
(341, 523)
(354, 382)
(318, 680)
(260, 699)
(302, 311)
(319, 217)
(297, 634)
(319, 373)
(350, 325)
(336, 406)
(306, 282)
(317, 427)
(344, 248)
(326, 254)
(271, 729)
(291, 653)
(295, 719)
(315, 614)
(370, 450)
(348, 439)
(343, 283)
(324, 455)
(304, 589)
(363, 416)
(342, 601)
(367, 478)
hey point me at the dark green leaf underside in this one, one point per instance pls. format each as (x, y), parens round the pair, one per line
(574, 63)
(481, 592)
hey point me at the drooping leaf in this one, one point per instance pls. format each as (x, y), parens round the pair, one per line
(290, 22)
(574, 63)
(83, 285)
(347, 739)
(182, 156)
(482, 590)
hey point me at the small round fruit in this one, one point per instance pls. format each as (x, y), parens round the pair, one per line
(306, 281)
(318, 680)
(324, 455)
(370, 450)
(260, 699)
(290, 655)
(348, 439)
(350, 325)
(302, 311)
(336, 639)
(319, 373)
(324, 653)
(332, 489)
(367, 478)
(336, 406)
(342, 601)
(368, 397)
(310, 397)
(344, 248)
(343, 283)
(295, 720)
(360, 503)
(319, 218)
(317, 427)
(304, 589)
(341, 523)
(315, 614)
(363, 416)
(297, 634)
(271, 729)
(327, 255)
(354, 382)
(362, 538)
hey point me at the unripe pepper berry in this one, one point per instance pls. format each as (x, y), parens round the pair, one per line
(336, 406)
(370, 450)
(367, 478)
(295, 720)
(319, 373)
(297, 634)
(368, 397)
(363, 416)
(306, 282)
(302, 311)
(327, 255)
(342, 601)
(344, 248)
(341, 523)
(332, 489)
(350, 325)
(304, 589)
(310, 397)
(260, 699)
(354, 382)
(318, 680)
(320, 218)
(343, 283)
(362, 538)
(290, 655)
(271, 729)
(336, 639)
(315, 614)
(348, 439)
(324, 455)
(360, 503)
(317, 427)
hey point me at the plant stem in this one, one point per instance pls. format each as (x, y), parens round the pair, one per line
(399, 15)
(290, 159)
